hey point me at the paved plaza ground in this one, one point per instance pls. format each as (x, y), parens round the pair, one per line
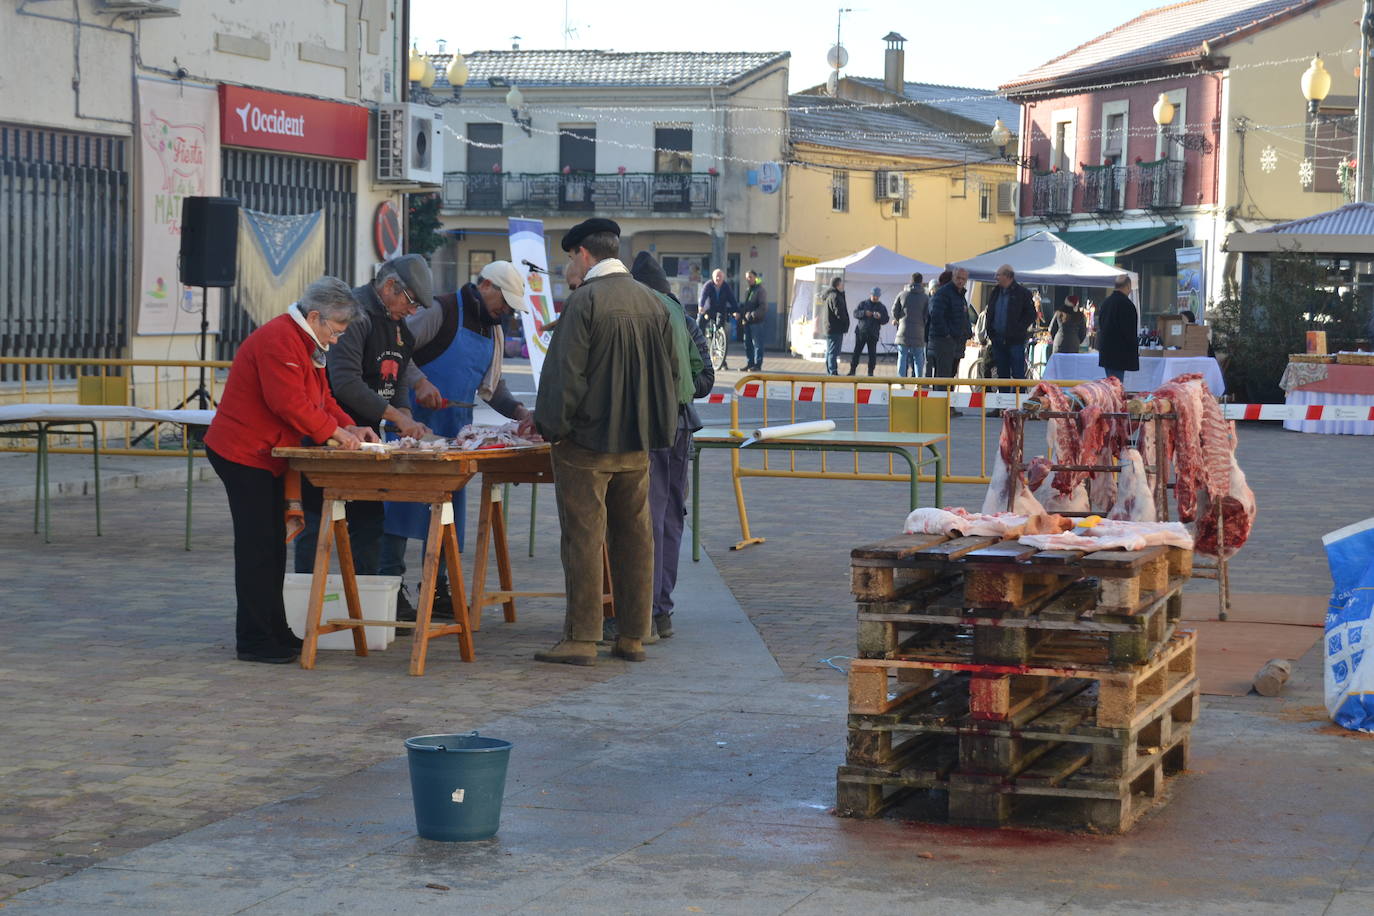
(143, 768)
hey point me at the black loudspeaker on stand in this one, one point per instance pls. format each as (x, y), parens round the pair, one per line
(209, 257)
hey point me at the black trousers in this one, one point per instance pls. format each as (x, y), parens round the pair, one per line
(257, 503)
(366, 524)
(859, 343)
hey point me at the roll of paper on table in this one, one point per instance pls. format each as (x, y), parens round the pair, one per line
(789, 429)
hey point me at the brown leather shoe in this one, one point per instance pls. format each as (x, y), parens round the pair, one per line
(570, 652)
(632, 650)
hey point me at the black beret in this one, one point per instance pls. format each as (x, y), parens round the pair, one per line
(577, 233)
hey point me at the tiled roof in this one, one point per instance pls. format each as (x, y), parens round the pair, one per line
(982, 106)
(1352, 219)
(608, 68)
(1163, 35)
(836, 123)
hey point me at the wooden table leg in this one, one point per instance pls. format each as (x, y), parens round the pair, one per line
(458, 591)
(503, 564)
(331, 513)
(486, 492)
(419, 644)
(348, 573)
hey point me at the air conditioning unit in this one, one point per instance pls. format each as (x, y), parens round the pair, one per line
(141, 9)
(889, 186)
(1007, 194)
(410, 145)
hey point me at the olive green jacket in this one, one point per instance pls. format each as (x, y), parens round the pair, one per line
(610, 377)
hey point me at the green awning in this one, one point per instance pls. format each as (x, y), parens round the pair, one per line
(1109, 244)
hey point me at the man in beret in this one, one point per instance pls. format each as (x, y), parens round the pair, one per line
(608, 393)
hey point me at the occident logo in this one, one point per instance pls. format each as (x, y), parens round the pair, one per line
(274, 122)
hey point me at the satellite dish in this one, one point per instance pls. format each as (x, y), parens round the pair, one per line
(837, 57)
(832, 83)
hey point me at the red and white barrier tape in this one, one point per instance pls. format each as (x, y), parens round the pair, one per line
(881, 394)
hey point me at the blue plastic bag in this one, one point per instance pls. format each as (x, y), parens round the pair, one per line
(1349, 677)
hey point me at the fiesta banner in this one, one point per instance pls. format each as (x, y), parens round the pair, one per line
(279, 256)
(178, 148)
(527, 244)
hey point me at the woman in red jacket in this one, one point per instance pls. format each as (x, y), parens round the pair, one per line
(277, 395)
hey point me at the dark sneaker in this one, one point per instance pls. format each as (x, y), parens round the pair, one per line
(663, 625)
(609, 630)
(268, 659)
(404, 609)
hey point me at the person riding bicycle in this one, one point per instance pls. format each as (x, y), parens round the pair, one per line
(716, 304)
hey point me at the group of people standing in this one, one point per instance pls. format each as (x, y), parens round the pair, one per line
(933, 330)
(615, 402)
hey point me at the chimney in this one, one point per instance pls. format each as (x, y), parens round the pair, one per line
(894, 64)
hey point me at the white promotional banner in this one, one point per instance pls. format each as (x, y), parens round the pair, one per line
(527, 245)
(178, 146)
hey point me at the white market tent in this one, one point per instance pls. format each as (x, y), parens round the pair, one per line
(1044, 259)
(862, 270)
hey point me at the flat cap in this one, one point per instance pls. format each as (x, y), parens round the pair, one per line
(577, 233)
(413, 272)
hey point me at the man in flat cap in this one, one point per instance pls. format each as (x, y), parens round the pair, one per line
(458, 348)
(608, 394)
(368, 371)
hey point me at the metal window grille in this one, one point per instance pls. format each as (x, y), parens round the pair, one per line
(65, 265)
(276, 183)
(839, 192)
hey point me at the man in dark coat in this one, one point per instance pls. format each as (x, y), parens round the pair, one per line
(949, 328)
(834, 323)
(1118, 327)
(608, 395)
(1011, 314)
(871, 315)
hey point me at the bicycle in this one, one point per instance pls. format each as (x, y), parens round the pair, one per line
(717, 341)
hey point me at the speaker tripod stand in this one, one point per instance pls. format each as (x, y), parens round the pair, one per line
(201, 396)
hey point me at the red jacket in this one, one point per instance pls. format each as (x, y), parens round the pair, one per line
(275, 397)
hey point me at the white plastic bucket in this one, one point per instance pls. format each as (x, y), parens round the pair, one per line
(378, 597)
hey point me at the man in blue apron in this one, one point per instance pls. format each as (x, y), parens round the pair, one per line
(458, 349)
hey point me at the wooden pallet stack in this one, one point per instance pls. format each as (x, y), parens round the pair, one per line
(1017, 686)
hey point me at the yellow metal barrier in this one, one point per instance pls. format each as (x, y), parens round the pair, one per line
(158, 384)
(896, 401)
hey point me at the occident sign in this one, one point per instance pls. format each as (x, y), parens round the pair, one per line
(291, 123)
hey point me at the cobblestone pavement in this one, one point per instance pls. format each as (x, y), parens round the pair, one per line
(128, 721)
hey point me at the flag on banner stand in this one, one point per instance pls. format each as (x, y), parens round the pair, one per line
(527, 245)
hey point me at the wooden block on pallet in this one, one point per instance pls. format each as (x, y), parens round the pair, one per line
(1007, 645)
(1154, 575)
(979, 806)
(997, 697)
(1180, 562)
(868, 688)
(1120, 694)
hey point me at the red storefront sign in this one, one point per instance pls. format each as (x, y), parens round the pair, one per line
(291, 123)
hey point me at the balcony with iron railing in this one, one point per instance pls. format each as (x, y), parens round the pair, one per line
(1104, 188)
(1052, 193)
(1159, 184)
(556, 192)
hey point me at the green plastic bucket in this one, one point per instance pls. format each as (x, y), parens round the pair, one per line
(456, 782)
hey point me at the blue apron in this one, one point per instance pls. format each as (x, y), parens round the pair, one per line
(456, 373)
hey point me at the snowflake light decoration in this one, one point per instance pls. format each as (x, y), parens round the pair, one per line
(1269, 160)
(1305, 173)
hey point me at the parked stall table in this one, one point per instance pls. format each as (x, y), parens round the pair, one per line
(402, 475)
(876, 441)
(1154, 370)
(81, 419)
(1348, 389)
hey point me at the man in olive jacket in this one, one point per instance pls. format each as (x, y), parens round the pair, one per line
(608, 393)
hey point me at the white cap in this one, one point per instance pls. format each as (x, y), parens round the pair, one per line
(506, 277)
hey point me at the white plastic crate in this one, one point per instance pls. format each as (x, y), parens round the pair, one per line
(378, 597)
